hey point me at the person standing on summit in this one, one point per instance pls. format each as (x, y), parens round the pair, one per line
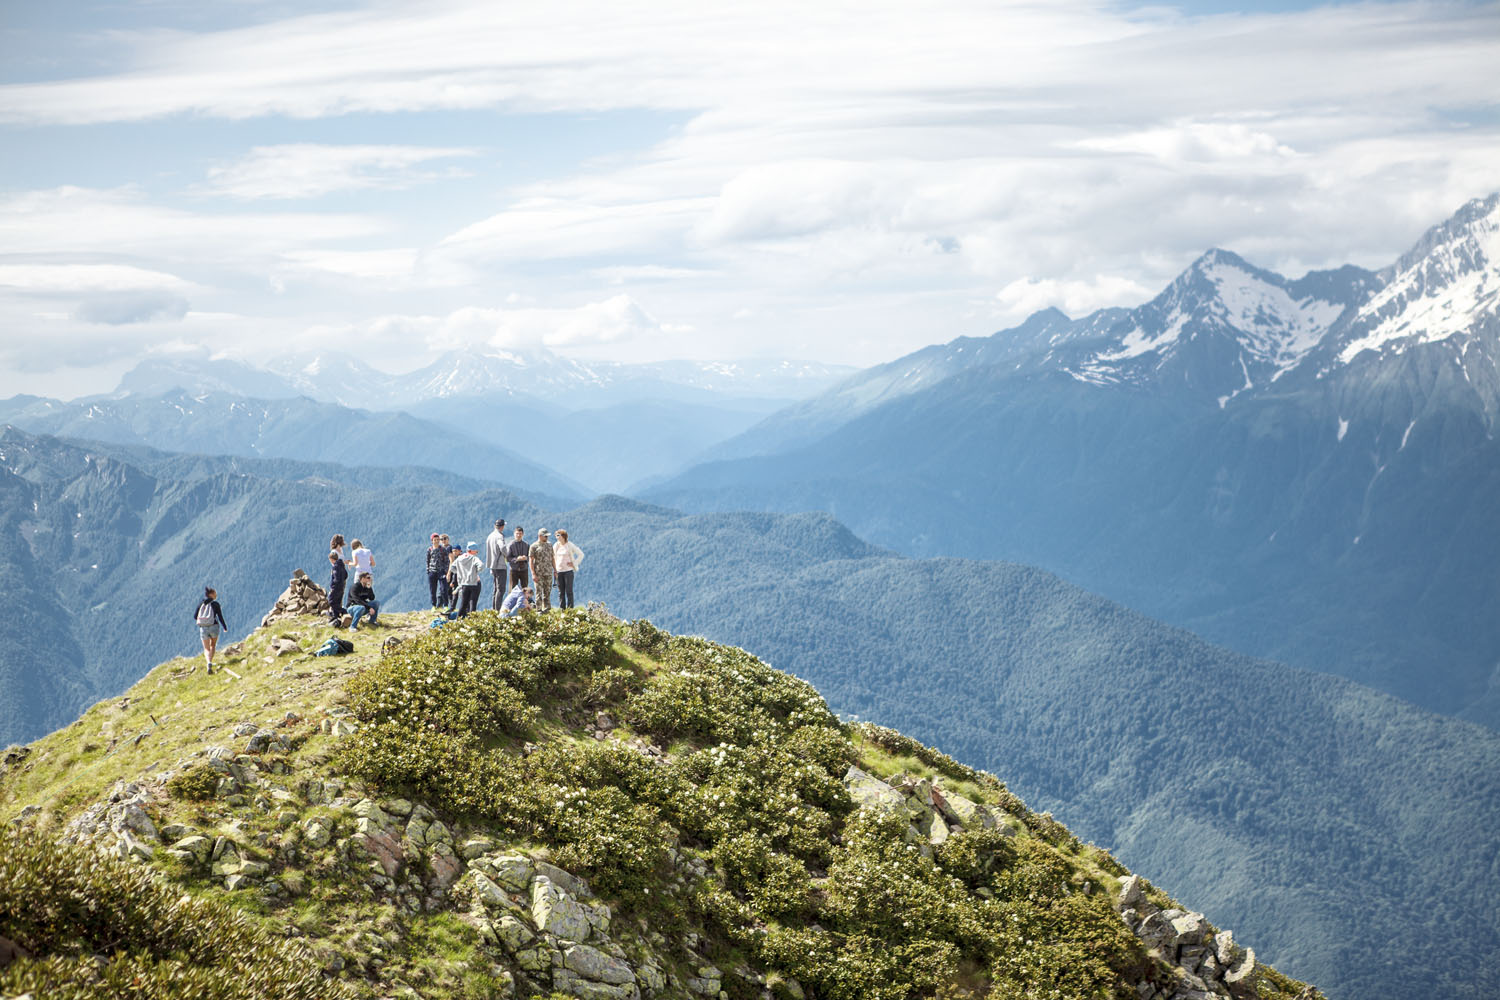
(542, 569)
(516, 555)
(437, 570)
(466, 570)
(362, 559)
(494, 561)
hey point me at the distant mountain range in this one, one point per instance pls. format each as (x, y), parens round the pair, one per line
(216, 423)
(1349, 834)
(1305, 470)
(534, 420)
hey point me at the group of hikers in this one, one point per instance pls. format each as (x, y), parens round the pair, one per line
(522, 573)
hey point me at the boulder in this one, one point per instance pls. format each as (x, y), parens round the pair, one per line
(970, 815)
(591, 963)
(1131, 893)
(317, 831)
(556, 912)
(868, 791)
(197, 847)
(1190, 928)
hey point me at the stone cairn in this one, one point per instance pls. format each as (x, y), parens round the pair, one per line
(301, 597)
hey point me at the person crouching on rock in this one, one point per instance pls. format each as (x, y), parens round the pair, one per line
(361, 600)
(210, 620)
(519, 599)
(338, 574)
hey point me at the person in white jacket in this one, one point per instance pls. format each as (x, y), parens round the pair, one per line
(494, 561)
(567, 557)
(466, 569)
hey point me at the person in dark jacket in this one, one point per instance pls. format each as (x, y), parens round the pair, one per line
(446, 596)
(338, 574)
(517, 554)
(362, 599)
(209, 618)
(437, 569)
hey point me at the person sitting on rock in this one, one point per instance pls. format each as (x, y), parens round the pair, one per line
(519, 599)
(362, 600)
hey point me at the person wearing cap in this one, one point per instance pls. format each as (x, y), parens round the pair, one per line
(494, 561)
(437, 569)
(466, 569)
(542, 569)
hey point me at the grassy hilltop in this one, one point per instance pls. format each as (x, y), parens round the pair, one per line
(557, 805)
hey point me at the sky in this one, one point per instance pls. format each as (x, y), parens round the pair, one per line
(840, 182)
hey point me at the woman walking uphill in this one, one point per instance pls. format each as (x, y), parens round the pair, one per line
(209, 618)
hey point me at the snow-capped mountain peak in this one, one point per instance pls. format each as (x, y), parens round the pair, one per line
(1448, 285)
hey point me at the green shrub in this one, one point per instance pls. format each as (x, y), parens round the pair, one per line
(64, 904)
(196, 784)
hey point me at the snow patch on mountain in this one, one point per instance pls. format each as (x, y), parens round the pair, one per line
(1438, 296)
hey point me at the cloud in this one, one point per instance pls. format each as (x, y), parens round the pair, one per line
(1076, 298)
(863, 183)
(305, 170)
(54, 278)
(612, 320)
(123, 308)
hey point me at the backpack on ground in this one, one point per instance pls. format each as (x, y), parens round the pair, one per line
(205, 616)
(335, 647)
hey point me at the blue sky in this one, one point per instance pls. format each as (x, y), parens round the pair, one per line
(836, 182)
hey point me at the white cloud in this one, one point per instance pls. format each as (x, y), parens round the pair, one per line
(307, 170)
(53, 278)
(1076, 298)
(617, 318)
(856, 184)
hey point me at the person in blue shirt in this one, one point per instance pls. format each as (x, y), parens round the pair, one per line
(519, 599)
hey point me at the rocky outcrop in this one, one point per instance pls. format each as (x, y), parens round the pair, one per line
(932, 814)
(301, 597)
(1205, 962)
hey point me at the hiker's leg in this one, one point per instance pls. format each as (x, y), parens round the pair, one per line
(497, 597)
(565, 589)
(544, 591)
(356, 613)
(374, 612)
(432, 586)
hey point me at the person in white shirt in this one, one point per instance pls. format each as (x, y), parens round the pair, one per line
(362, 560)
(494, 560)
(567, 557)
(466, 569)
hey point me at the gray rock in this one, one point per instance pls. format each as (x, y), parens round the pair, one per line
(868, 791)
(569, 982)
(566, 881)
(591, 963)
(245, 729)
(174, 831)
(1242, 969)
(199, 848)
(512, 871)
(254, 869)
(317, 831)
(1131, 893)
(237, 881)
(970, 815)
(475, 847)
(398, 807)
(512, 933)
(557, 913)
(1190, 928)
(1157, 933)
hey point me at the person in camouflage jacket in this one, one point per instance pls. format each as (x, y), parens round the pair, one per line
(543, 569)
